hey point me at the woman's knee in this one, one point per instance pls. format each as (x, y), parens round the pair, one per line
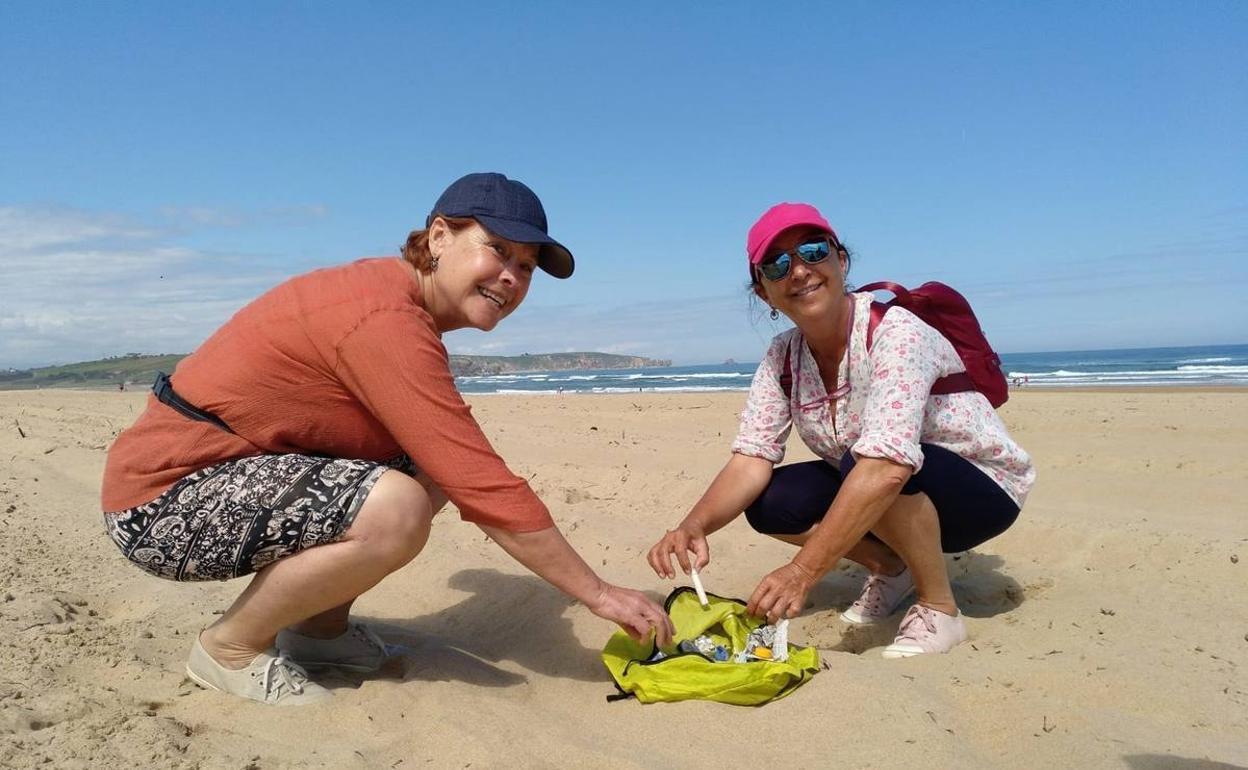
(907, 512)
(395, 518)
(795, 499)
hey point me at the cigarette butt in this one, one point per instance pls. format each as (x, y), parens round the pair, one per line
(697, 586)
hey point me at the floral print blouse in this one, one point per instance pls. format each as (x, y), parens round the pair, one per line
(888, 410)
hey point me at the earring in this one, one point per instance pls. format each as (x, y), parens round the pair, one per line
(775, 314)
(433, 264)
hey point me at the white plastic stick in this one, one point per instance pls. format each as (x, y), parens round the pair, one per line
(697, 586)
(780, 645)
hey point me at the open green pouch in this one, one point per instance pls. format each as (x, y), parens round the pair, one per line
(691, 675)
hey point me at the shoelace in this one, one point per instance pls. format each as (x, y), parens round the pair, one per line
(919, 616)
(873, 591)
(285, 673)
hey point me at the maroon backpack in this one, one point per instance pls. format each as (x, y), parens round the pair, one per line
(948, 312)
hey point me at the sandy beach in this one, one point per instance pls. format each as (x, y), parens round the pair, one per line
(1109, 626)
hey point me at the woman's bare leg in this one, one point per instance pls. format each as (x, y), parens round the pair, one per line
(912, 529)
(390, 529)
(332, 623)
(909, 535)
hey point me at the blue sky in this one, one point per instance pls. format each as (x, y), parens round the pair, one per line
(1079, 170)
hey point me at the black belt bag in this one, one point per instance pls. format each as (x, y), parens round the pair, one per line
(165, 394)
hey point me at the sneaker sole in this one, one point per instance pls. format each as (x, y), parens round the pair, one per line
(890, 654)
(197, 679)
(862, 620)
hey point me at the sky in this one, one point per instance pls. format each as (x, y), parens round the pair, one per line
(1078, 170)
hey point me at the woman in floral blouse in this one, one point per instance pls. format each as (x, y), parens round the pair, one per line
(903, 476)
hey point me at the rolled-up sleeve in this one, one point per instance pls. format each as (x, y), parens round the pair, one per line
(397, 367)
(907, 356)
(766, 420)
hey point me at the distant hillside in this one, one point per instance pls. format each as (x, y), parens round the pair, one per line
(107, 373)
(134, 369)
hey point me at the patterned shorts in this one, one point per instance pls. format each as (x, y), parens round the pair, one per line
(237, 517)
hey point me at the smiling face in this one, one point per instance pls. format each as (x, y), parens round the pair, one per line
(809, 293)
(480, 278)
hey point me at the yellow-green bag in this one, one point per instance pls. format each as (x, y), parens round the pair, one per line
(690, 675)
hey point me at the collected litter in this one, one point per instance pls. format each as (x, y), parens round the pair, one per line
(721, 653)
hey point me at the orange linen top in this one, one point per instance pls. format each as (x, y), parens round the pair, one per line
(341, 362)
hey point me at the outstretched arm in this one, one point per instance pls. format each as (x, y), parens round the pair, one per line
(739, 483)
(867, 492)
(551, 557)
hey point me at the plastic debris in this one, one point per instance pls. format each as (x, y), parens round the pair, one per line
(769, 642)
(764, 643)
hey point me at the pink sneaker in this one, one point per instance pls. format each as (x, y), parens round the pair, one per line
(880, 598)
(924, 629)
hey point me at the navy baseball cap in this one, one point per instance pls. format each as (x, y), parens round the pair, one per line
(508, 209)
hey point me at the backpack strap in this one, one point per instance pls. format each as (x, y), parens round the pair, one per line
(878, 309)
(953, 383)
(786, 376)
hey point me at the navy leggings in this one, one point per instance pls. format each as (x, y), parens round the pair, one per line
(971, 507)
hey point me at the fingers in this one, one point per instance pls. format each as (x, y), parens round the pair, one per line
(664, 630)
(653, 558)
(674, 543)
(660, 558)
(634, 632)
(794, 609)
(701, 552)
(760, 600)
(654, 617)
(682, 556)
(639, 616)
(774, 599)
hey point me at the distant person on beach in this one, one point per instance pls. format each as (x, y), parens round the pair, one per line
(902, 476)
(312, 439)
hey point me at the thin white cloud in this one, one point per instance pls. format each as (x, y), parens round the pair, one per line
(231, 217)
(80, 285)
(77, 285)
(30, 230)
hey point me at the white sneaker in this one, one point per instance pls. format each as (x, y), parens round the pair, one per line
(270, 678)
(924, 630)
(357, 649)
(880, 598)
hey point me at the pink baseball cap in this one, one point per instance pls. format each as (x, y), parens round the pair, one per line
(776, 220)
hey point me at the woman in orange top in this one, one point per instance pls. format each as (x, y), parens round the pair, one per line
(314, 436)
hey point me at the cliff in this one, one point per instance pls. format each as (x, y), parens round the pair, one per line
(139, 371)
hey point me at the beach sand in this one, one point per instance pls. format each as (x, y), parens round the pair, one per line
(1109, 626)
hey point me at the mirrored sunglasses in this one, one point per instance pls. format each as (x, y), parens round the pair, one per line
(812, 253)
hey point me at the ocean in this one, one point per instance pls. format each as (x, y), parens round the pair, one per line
(1203, 365)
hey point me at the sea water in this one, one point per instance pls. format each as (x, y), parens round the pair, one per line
(1204, 365)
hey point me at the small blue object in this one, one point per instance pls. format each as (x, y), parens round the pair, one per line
(721, 653)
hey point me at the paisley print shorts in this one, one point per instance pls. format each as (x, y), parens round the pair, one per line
(239, 516)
